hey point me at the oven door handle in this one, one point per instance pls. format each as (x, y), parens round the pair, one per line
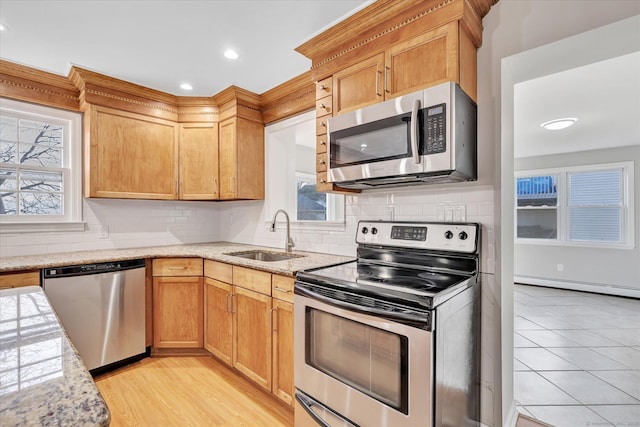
(308, 403)
(421, 320)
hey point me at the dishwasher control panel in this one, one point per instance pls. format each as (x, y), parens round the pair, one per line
(103, 267)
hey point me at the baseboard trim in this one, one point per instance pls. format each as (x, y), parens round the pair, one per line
(577, 286)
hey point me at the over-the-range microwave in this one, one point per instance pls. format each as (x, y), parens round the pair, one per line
(420, 138)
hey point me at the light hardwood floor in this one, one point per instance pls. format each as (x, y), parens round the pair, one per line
(188, 391)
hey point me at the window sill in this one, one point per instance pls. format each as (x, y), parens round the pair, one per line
(550, 242)
(40, 227)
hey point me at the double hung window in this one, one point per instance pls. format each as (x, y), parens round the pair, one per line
(578, 205)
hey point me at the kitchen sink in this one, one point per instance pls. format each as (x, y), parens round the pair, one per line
(267, 256)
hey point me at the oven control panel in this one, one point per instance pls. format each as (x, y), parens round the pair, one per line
(436, 236)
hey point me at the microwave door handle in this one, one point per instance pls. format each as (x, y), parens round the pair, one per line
(414, 131)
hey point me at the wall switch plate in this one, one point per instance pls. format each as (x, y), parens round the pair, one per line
(103, 232)
(451, 213)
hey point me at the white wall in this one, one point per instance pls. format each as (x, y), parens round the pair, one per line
(511, 27)
(128, 223)
(604, 267)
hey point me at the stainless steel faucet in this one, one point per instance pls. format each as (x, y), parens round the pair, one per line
(289, 243)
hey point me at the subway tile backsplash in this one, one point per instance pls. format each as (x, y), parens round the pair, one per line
(136, 223)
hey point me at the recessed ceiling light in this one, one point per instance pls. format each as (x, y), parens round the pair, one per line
(558, 124)
(186, 86)
(3, 28)
(231, 54)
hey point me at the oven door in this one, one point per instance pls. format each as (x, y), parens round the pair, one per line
(363, 368)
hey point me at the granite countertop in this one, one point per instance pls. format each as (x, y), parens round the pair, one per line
(44, 382)
(214, 251)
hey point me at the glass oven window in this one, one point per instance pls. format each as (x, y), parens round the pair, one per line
(368, 359)
(385, 139)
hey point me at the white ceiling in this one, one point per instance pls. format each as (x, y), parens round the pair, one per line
(161, 44)
(604, 96)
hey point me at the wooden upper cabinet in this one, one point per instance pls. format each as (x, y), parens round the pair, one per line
(241, 159)
(129, 155)
(198, 159)
(358, 85)
(422, 61)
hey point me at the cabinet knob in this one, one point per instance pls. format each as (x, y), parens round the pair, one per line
(323, 142)
(323, 124)
(323, 181)
(322, 162)
(323, 87)
(325, 107)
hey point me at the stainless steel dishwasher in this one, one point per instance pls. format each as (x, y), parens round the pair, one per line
(102, 308)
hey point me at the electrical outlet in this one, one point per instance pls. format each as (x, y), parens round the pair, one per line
(389, 213)
(103, 232)
(560, 267)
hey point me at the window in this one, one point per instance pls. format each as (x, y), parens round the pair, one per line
(578, 205)
(290, 163)
(40, 167)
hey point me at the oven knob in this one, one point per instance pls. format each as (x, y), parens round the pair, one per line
(365, 230)
(463, 235)
(374, 230)
(448, 235)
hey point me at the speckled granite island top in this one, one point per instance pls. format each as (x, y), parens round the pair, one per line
(42, 379)
(215, 251)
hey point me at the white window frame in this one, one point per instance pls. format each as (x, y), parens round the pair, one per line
(71, 220)
(270, 206)
(628, 218)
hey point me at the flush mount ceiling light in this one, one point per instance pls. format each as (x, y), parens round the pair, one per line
(558, 124)
(186, 86)
(231, 54)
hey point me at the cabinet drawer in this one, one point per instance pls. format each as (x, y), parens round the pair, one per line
(321, 125)
(321, 144)
(254, 280)
(218, 270)
(282, 287)
(23, 278)
(321, 162)
(177, 267)
(323, 106)
(324, 87)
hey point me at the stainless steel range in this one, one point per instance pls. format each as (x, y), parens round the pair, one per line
(391, 339)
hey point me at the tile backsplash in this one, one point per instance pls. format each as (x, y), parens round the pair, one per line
(112, 223)
(117, 223)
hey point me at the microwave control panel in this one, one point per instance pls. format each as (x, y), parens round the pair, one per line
(435, 129)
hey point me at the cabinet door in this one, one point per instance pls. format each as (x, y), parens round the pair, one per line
(283, 351)
(252, 335)
(358, 85)
(228, 159)
(198, 161)
(422, 61)
(177, 312)
(130, 156)
(250, 160)
(218, 320)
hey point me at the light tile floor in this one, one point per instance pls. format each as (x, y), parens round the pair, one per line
(577, 357)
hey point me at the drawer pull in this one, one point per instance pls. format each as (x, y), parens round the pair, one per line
(323, 142)
(323, 181)
(323, 124)
(282, 290)
(327, 109)
(178, 268)
(322, 162)
(323, 87)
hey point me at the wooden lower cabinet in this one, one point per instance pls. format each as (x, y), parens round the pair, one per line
(248, 329)
(178, 312)
(282, 353)
(178, 303)
(19, 279)
(252, 335)
(218, 318)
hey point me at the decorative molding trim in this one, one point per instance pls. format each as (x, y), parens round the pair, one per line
(132, 101)
(384, 32)
(38, 89)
